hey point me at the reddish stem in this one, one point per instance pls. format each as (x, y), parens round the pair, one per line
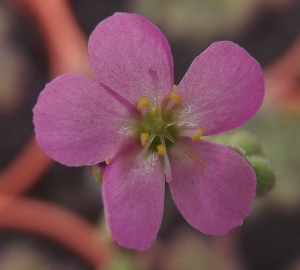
(24, 171)
(67, 45)
(283, 79)
(67, 49)
(55, 223)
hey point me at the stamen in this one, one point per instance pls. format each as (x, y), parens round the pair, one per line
(167, 167)
(155, 81)
(173, 99)
(143, 105)
(168, 171)
(141, 156)
(143, 102)
(108, 160)
(144, 138)
(161, 150)
(174, 96)
(195, 135)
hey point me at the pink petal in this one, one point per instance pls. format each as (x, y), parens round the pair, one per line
(214, 196)
(77, 122)
(130, 55)
(223, 88)
(133, 198)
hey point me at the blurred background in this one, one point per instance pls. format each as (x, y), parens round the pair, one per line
(51, 216)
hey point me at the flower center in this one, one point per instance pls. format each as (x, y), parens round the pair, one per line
(157, 131)
(156, 128)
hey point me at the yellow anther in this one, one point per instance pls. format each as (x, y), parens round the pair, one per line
(198, 135)
(108, 160)
(143, 102)
(174, 96)
(161, 150)
(201, 130)
(144, 138)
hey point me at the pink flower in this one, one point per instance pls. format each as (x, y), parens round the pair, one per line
(151, 131)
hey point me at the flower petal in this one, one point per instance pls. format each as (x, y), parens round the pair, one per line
(130, 55)
(223, 88)
(212, 186)
(77, 122)
(133, 198)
